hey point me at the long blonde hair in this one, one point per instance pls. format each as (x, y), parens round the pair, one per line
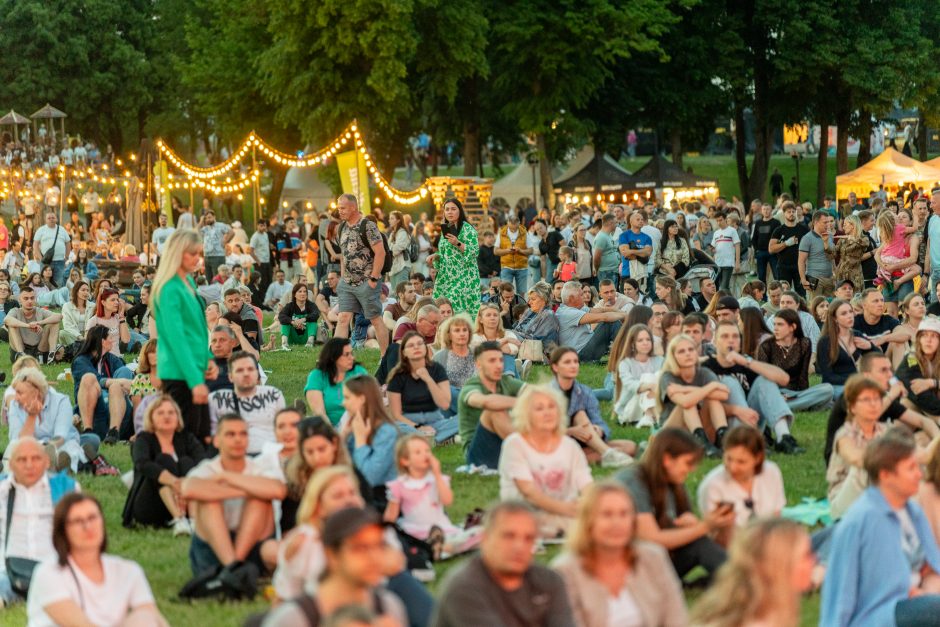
(500, 329)
(321, 480)
(181, 241)
(755, 583)
(887, 221)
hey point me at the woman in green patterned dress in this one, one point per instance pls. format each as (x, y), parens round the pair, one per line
(458, 273)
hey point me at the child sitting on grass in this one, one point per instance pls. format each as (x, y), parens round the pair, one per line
(417, 497)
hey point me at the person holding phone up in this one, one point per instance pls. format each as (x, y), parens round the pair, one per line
(458, 276)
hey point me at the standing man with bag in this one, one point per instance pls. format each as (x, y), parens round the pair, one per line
(359, 289)
(52, 245)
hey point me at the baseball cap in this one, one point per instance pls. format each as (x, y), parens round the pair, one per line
(930, 323)
(728, 302)
(348, 522)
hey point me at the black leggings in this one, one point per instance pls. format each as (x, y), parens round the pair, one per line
(703, 552)
(195, 417)
(147, 508)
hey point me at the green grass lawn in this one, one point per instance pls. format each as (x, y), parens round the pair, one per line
(165, 560)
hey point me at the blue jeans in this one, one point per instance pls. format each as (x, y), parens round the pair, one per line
(605, 393)
(599, 344)
(897, 296)
(444, 428)
(837, 391)
(550, 269)
(509, 365)
(102, 418)
(58, 272)
(519, 275)
(917, 612)
(763, 257)
(418, 602)
(764, 398)
(806, 400)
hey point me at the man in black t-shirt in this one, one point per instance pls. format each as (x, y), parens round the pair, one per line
(763, 230)
(877, 367)
(784, 242)
(754, 388)
(874, 324)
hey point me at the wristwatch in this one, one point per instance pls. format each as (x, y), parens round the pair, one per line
(376, 279)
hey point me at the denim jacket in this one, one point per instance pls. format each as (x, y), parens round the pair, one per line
(582, 398)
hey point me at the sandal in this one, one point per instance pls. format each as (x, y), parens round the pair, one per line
(436, 542)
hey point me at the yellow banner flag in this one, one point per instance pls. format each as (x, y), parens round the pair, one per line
(355, 177)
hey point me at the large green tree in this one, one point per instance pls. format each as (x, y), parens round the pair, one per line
(550, 57)
(86, 57)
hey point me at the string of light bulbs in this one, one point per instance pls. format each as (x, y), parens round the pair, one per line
(205, 177)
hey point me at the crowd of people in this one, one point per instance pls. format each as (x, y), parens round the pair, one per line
(717, 325)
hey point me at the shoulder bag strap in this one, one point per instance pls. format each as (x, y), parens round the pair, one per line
(11, 497)
(56, 238)
(81, 595)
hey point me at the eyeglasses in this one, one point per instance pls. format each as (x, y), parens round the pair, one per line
(83, 522)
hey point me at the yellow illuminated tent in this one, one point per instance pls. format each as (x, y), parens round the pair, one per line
(891, 169)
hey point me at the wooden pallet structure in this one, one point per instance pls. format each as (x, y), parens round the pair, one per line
(473, 193)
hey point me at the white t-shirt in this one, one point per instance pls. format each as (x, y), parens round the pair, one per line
(124, 588)
(46, 236)
(560, 474)
(724, 240)
(258, 410)
(767, 493)
(622, 611)
(232, 508)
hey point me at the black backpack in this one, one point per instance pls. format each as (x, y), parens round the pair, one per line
(387, 266)
(413, 250)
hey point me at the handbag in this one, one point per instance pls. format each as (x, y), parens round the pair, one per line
(19, 569)
(49, 254)
(532, 350)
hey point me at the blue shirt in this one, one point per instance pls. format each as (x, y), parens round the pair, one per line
(582, 398)
(868, 573)
(933, 235)
(636, 241)
(376, 461)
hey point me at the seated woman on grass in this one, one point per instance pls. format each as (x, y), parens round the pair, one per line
(691, 395)
(840, 346)
(163, 453)
(746, 479)
(538, 463)
(298, 319)
(96, 370)
(636, 371)
(324, 388)
(584, 422)
(664, 509)
(419, 391)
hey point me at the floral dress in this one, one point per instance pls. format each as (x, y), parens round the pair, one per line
(850, 250)
(458, 275)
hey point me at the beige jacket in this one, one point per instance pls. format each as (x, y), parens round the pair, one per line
(652, 583)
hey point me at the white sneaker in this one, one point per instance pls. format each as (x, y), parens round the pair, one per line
(525, 369)
(646, 422)
(614, 458)
(182, 527)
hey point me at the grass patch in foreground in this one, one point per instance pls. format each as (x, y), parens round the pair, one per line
(165, 558)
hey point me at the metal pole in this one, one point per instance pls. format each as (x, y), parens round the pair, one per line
(256, 188)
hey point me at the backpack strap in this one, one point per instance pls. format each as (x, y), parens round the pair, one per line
(365, 238)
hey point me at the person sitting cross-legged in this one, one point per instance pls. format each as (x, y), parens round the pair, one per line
(33, 494)
(231, 499)
(575, 322)
(298, 319)
(102, 387)
(753, 387)
(483, 407)
(32, 330)
(584, 422)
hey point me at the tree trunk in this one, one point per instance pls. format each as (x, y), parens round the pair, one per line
(842, 139)
(545, 171)
(922, 137)
(822, 162)
(675, 138)
(740, 150)
(471, 147)
(864, 140)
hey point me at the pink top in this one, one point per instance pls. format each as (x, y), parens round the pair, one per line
(897, 247)
(420, 504)
(567, 271)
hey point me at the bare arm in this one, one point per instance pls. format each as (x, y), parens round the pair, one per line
(378, 250)
(493, 402)
(534, 495)
(687, 396)
(776, 246)
(228, 236)
(257, 487)
(593, 317)
(195, 489)
(315, 402)
(394, 406)
(648, 529)
(67, 614)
